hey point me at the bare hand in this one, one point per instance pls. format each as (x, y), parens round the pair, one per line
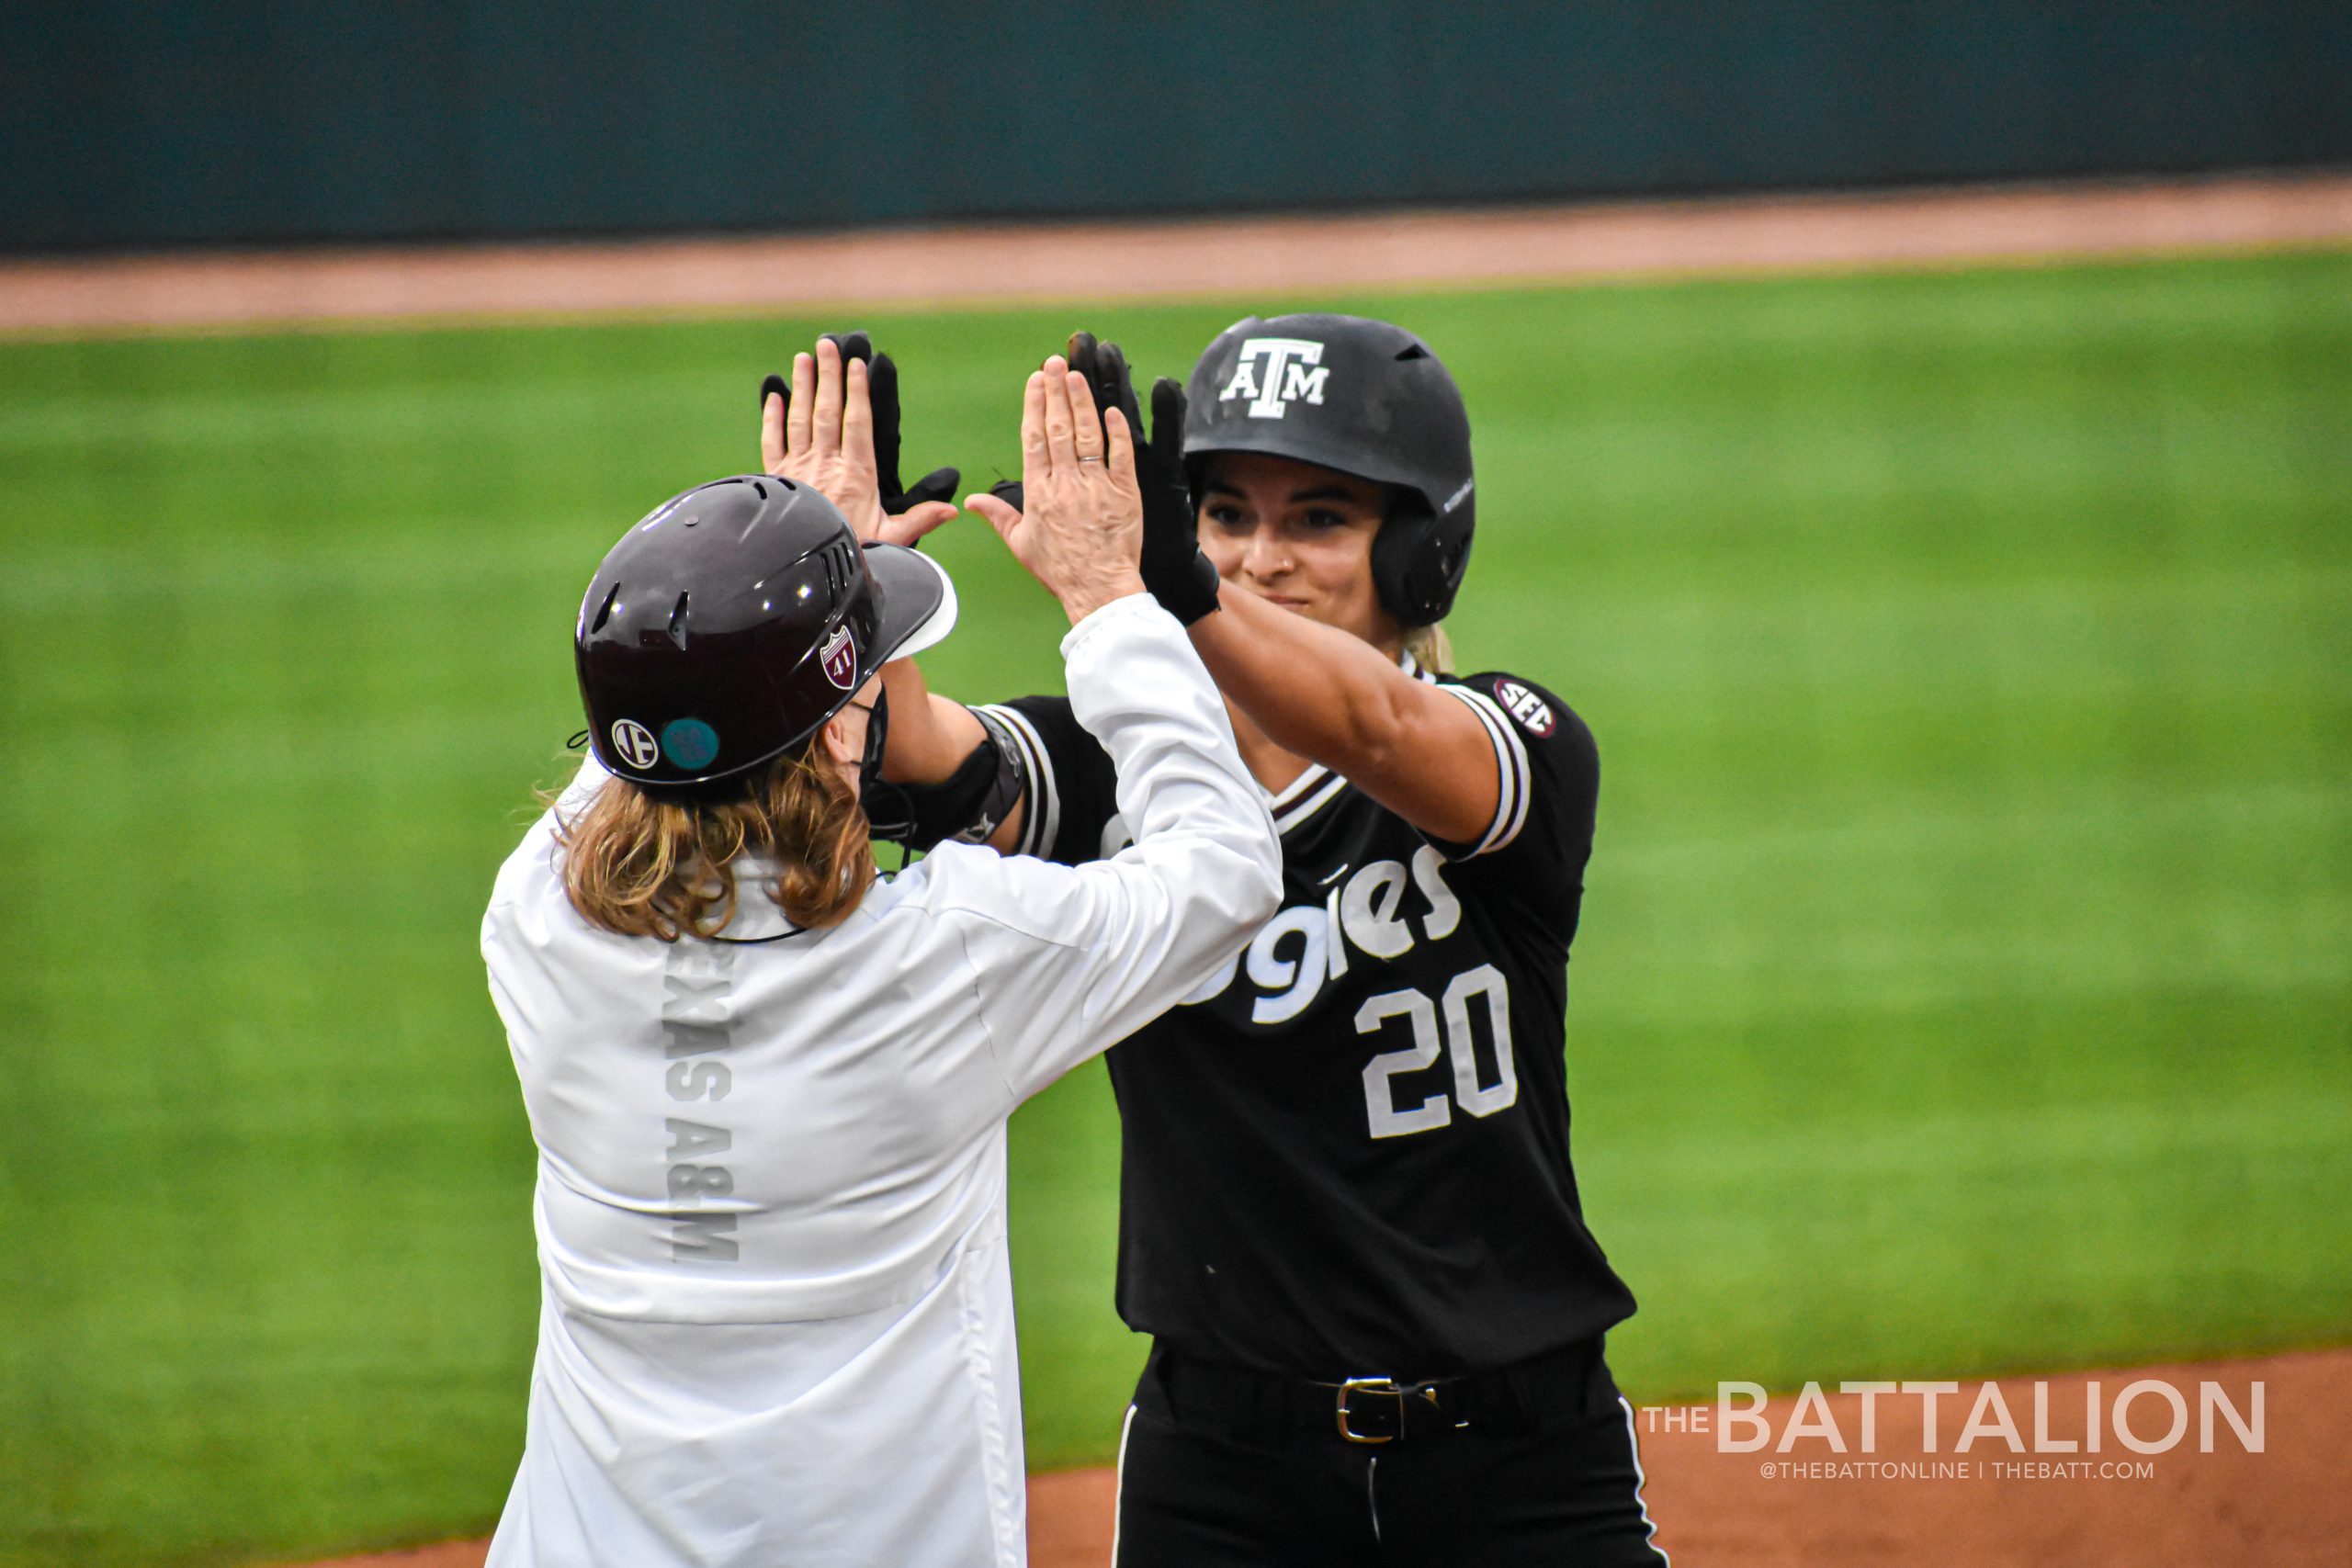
(1083, 532)
(824, 438)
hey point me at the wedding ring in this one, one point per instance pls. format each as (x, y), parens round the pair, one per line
(1088, 457)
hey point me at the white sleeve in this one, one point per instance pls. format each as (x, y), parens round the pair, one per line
(1071, 960)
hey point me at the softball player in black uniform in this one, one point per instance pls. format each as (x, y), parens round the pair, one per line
(1348, 1216)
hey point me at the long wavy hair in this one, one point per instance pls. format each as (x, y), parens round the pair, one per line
(642, 864)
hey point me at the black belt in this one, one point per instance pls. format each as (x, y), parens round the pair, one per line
(1554, 1389)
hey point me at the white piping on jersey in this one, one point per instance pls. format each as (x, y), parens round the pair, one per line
(1285, 821)
(1511, 768)
(1277, 799)
(1042, 826)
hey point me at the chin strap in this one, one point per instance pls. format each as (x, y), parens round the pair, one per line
(888, 814)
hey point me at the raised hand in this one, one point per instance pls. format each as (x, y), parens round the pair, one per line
(1179, 575)
(820, 430)
(1080, 526)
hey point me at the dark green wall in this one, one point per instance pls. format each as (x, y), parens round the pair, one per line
(171, 121)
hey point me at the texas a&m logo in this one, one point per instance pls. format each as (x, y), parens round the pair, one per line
(1274, 370)
(840, 659)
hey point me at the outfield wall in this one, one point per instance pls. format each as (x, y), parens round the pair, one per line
(168, 122)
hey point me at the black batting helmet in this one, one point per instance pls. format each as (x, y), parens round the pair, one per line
(1364, 398)
(735, 620)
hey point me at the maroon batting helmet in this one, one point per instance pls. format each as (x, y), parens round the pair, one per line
(734, 621)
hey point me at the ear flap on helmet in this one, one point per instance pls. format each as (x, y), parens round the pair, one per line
(1417, 559)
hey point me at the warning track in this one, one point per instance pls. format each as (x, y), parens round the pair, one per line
(963, 267)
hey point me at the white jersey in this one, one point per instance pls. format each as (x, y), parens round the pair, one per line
(777, 1317)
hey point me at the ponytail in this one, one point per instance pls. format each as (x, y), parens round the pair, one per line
(1431, 648)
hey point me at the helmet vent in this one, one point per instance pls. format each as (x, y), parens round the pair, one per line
(841, 564)
(760, 487)
(605, 611)
(678, 620)
(1412, 351)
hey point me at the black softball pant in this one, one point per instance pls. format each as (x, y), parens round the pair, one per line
(1196, 1493)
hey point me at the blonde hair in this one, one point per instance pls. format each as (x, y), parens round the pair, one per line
(641, 864)
(1431, 648)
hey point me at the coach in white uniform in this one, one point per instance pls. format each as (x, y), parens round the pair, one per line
(769, 1088)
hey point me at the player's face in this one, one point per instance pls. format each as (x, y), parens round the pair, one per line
(1298, 537)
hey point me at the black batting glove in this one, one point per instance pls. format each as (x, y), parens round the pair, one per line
(1183, 579)
(882, 390)
(940, 484)
(1179, 575)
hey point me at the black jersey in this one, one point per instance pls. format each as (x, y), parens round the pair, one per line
(1348, 1154)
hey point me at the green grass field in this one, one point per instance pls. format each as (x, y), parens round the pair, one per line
(1966, 980)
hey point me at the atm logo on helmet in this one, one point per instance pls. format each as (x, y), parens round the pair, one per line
(840, 659)
(1273, 371)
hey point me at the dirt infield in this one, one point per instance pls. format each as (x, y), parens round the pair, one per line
(1264, 256)
(2286, 1505)
(1798, 1500)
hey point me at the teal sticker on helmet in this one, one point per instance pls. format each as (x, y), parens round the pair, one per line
(689, 742)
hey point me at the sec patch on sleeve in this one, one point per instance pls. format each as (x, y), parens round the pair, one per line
(1533, 714)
